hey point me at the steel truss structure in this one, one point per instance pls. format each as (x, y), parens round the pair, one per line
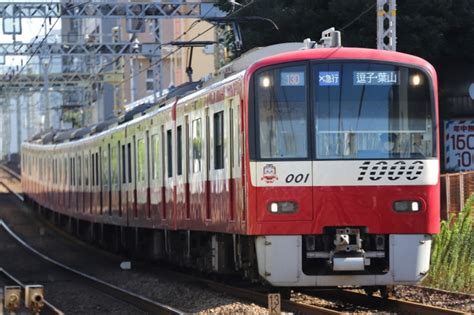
(138, 16)
(57, 81)
(104, 9)
(387, 25)
(81, 49)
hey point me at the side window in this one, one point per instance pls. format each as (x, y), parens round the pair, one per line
(169, 152)
(124, 169)
(179, 150)
(93, 180)
(86, 170)
(219, 140)
(114, 165)
(197, 145)
(97, 169)
(129, 157)
(155, 156)
(79, 171)
(105, 166)
(141, 160)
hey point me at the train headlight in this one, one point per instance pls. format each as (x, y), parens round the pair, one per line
(265, 82)
(407, 206)
(283, 207)
(415, 80)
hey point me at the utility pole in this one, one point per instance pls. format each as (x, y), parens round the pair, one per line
(386, 25)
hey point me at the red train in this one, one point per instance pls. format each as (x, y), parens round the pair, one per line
(305, 167)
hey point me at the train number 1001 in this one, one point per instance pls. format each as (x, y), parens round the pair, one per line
(297, 178)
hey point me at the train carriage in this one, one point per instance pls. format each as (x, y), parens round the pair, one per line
(306, 167)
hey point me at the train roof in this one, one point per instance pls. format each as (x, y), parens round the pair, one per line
(63, 136)
(104, 125)
(352, 53)
(250, 62)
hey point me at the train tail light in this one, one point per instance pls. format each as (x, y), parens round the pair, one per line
(407, 206)
(283, 207)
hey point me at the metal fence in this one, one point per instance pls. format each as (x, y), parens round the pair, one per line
(455, 189)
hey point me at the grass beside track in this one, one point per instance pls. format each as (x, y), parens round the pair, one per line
(452, 258)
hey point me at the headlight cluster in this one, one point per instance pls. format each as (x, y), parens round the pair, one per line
(407, 206)
(283, 207)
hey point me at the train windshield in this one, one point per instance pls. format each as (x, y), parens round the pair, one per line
(367, 110)
(348, 110)
(283, 113)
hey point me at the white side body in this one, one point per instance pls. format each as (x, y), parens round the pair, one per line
(280, 262)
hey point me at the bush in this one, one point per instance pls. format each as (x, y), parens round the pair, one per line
(452, 257)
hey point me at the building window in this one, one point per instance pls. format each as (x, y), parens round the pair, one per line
(150, 81)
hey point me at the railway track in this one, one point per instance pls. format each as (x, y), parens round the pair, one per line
(10, 280)
(128, 297)
(390, 305)
(296, 305)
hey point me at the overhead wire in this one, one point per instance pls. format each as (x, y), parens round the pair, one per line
(44, 39)
(181, 47)
(358, 17)
(34, 40)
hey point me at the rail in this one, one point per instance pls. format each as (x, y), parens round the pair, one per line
(394, 305)
(10, 171)
(138, 301)
(48, 307)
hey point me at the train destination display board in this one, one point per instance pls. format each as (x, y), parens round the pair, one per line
(459, 145)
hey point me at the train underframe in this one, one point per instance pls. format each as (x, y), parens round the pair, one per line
(340, 257)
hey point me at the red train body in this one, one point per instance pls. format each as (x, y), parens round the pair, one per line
(277, 167)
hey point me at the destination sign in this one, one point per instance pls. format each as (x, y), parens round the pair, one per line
(294, 78)
(376, 77)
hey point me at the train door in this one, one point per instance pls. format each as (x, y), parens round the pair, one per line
(67, 179)
(141, 177)
(125, 148)
(96, 209)
(87, 175)
(56, 182)
(98, 181)
(80, 187)
(207, 164)
(195, 179)
(133, 177)
(169, 173)
(156, 172)
(180, 172)
(187, 170)
(148, 175)
(72, 196)
(236, 184)
(92, 181)
(70, 183)
(105, 178)
(115, 171)
(218, 205)
(232, 157)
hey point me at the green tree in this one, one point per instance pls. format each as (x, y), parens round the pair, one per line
(432, 29)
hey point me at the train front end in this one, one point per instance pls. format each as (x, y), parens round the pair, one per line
(344, 168)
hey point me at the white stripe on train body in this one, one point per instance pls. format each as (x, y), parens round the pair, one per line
(345, 173)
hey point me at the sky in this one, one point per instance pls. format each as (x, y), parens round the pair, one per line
(30, 29)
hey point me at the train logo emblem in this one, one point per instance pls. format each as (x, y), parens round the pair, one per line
(269, 174)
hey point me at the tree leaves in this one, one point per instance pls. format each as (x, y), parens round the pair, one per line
(434, 30)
